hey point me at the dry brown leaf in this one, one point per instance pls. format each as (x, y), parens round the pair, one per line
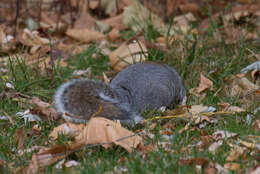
(2, 35)
(189, 7)
(256, 125)
(114, 34)
(52, 22)
(32, 38)
(210, 170)
(255, 74)
(49, 156)
(101, 130)
(20, 137)
(247, 144)
(85, 35)
(235, 109)
(7, 42)
(192, 161)
(232, 166)
(68, 129)
(254, 170)
(137, 17)
(198, 108)
(144, 149)
(44, 109)
(33, 166)
(214, 146)
(115, 22)
(127, 54)
(85, 21)
(220, 134)
(241, 86)
(205, 84)
(235, 153)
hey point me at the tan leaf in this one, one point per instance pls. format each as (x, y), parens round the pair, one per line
(256, 125)
(254, 170)
(114, 34)
(85, 35)
(192, 161)
(247, 144)
(232, 166)
(44, 109)
(198, 108)
(144, 149)
(2, 35)
(235, 109)
(127, 54)
(20, 137)
(49, 156)
(220, 134)
(115, 22)
(255, 74)
(101, 130)
(52, 22)
(205, 84)
(32, 38)
(214, 146)
(235, 153)
(85, 21)
(241, 86)
(68, 129)
(33, 166)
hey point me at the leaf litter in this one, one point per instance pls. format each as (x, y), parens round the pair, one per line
(44, 44)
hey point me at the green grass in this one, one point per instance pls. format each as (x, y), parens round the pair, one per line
(198, 54)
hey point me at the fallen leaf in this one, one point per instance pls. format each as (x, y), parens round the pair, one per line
(72, 163)
(127, 54)
(103, 131)
(44, 109)
(235, 109)
(20, 137)
(32, 38)
(232, 166)
(214, 146)
(215, 168)
(247, 144)
(220, 134)
(33, 166)
(189, 7)
(256, 125)
(114, 34)
(85, 35)
(144, 149)
(254, 170)
(205, 84)
(198, 108)
(68, 129)
(49, 156)
(235, 153)
(193, 161)
(115, 22)
(84, 21)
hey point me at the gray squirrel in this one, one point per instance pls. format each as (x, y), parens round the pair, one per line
(138, 87)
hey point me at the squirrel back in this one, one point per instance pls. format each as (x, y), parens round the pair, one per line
(138, 87)
(149, 86)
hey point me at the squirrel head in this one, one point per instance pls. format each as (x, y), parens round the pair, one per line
(78, 100)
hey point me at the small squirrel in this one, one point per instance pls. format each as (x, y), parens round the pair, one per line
(138, 87)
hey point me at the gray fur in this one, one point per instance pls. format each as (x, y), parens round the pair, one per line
(149, 86)
(138, 87)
